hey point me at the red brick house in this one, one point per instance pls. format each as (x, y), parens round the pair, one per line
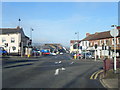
(104, 42)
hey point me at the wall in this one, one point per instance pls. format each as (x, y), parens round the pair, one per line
(8, 38)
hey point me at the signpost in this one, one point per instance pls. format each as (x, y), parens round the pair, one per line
(114, 33)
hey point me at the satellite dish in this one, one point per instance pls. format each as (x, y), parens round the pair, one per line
(114, 32)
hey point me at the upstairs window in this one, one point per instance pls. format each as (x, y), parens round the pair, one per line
(107, 42)
(118, 40)
(3, 40)
(75, 46)
(112, 41)
(12, 40)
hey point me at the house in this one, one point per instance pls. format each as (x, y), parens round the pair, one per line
(54, 47)
(74, 46)
(14, 40)
(102, 42)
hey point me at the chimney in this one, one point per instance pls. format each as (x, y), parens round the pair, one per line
(87, 34)
(96, 32)
(118, 27)
(18, 27)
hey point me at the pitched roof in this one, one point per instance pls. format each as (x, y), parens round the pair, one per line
(10, 30)
(13, 31)
(100, 35)
(73, 41)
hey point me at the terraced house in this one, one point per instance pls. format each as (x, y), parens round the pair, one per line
(103, 42)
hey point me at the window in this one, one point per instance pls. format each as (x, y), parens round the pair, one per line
(12, 40)
(14, 48)
(107, 42)
(75, 46)
(83, 43)
(119, 40)
(112, 41)
(3, 40)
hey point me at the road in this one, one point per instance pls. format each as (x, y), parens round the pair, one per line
(58, 71)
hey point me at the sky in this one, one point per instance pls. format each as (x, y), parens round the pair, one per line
(57, 22)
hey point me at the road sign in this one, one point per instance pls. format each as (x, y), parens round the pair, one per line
(114, 32)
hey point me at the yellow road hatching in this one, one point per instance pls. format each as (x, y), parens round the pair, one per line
(95, 74)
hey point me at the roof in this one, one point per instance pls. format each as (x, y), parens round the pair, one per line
(12, 31)
(73, 41)
(100, 35)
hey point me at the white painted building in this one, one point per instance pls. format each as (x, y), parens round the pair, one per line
(13, 40)
(74, 46)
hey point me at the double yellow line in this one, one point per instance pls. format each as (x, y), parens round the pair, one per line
(95, 74)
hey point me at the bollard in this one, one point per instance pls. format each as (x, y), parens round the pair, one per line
(75, 56)
(28, 55)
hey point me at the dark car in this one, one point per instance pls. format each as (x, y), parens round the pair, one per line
(3, 52)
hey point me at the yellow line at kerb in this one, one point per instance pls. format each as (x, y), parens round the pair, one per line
(93, 74)
(98, 74)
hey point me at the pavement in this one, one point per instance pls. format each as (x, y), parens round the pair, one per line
(110, 80)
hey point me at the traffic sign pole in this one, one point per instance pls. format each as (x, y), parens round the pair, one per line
(115, 54)
(114, 33)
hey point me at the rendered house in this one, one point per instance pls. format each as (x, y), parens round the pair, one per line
(75, 46)
(13, 40)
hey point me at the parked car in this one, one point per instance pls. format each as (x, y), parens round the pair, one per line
(53, 54)
(61, 53)
(45, 52)
(36, 52)
(88, 55)
(3, 52)
(80, 56)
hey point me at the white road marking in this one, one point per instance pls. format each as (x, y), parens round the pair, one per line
(71, 62)
(60, 62)
(56, 71)
(56, 62)
(63, 68)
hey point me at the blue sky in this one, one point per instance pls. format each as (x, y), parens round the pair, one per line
(57, 22)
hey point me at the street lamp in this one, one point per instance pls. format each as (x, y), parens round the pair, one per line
(19, 21)
(31, 30)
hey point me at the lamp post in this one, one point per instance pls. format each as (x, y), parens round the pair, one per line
(31, 30)
(30, 43)
(114, 33)
(19, 21)
(77, 43)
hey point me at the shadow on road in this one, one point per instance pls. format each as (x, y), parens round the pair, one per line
(12, 66)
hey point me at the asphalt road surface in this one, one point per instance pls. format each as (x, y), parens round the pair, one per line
(58, 71)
